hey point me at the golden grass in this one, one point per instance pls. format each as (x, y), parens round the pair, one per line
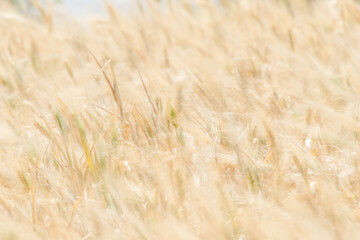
(238, 121)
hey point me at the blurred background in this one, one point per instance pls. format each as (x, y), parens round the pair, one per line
(92, 6)
(81, 7)
(78, 7)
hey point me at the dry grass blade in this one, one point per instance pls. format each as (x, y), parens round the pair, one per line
(147, 93)
(47, 17)
(87, 151)
(113, 87)
(73, 211)
(116, 90)
(33, 209)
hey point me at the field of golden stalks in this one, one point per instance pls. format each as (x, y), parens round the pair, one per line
(186, 120)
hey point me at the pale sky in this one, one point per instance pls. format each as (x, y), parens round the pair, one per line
(92, 6)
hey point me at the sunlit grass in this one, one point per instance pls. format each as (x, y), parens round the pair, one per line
(193, 121)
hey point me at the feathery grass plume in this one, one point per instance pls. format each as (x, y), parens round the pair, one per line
(181, 120)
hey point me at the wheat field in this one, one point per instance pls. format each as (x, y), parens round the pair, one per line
(185, 120)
